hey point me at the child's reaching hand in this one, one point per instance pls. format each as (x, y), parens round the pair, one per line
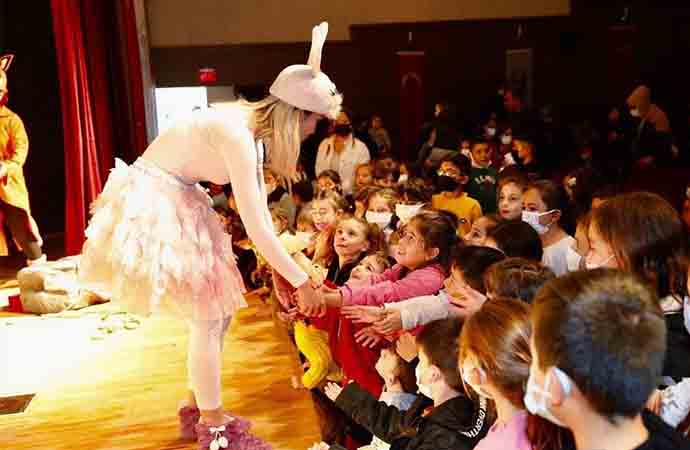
(333, 391)
(363, 314)
(391, 322)
(406, 347)
(368, 337)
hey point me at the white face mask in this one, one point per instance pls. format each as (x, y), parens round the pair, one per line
(466, 371)
(424, 389)
(686, 313)
(381, 219)
(635, 112)
(491, 132)
(573, 259)
(403, 178)
(536, 399)
(406, 212)
(532, 218)
(506, 139)
(592, 266)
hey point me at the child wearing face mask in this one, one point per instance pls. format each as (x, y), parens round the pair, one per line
(543, 209)
(594, 378)
(482, 184)
(494, 361)
(637, 231)
(380, 210)
(412, 198)
(442, 418)
(453, 175)
(399, 391)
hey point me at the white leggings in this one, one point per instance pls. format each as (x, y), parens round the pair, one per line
(204, 360)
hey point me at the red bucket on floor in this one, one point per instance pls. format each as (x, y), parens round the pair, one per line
(15, 304)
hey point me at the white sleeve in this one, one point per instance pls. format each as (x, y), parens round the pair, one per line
(320, 165)
(675, 403)
(238, 151)
(420, 310)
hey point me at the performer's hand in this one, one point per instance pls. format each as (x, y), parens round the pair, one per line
(333, 391)
(284, 291)
(406, 347)
(309, 301)
(392, 322)
(363, 314)
(368, 337)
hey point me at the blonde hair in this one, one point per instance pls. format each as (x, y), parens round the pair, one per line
(279, 124)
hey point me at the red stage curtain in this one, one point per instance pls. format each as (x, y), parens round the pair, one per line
(95, 73)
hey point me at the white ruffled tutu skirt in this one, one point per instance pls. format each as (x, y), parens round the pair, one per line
(153, 239)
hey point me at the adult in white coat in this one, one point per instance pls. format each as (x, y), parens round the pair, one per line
(342, 152)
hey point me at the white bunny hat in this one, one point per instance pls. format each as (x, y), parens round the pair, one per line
(304, 86)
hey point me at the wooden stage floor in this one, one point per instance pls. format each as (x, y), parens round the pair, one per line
(120, 391)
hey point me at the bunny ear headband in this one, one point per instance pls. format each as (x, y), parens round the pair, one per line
(305, 86)
(5, 62)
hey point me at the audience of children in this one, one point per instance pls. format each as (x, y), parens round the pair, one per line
(390, 263)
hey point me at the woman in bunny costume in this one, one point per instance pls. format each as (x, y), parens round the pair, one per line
(154, 238)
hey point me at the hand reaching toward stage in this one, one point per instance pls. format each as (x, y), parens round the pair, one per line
(320, 446)
(309, 301)
(368, 337)
(333, 391)
(331, 296)
(406, 347)
(363, 314)
(391, 322)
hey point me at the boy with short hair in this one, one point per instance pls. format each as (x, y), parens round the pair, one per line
(453, 175)
(442, 418)
(482, 184)
(598, 346)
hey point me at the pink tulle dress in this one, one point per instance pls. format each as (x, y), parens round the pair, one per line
(153, 236)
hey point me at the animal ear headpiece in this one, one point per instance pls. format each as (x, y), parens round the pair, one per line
(5, 62)
(305, 86)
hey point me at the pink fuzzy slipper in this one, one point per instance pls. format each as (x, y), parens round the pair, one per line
(189, 417)
(232, 435)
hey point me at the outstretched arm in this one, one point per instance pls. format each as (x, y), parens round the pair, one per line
(235, 145)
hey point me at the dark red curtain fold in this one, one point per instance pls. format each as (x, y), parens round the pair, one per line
(95, 67)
